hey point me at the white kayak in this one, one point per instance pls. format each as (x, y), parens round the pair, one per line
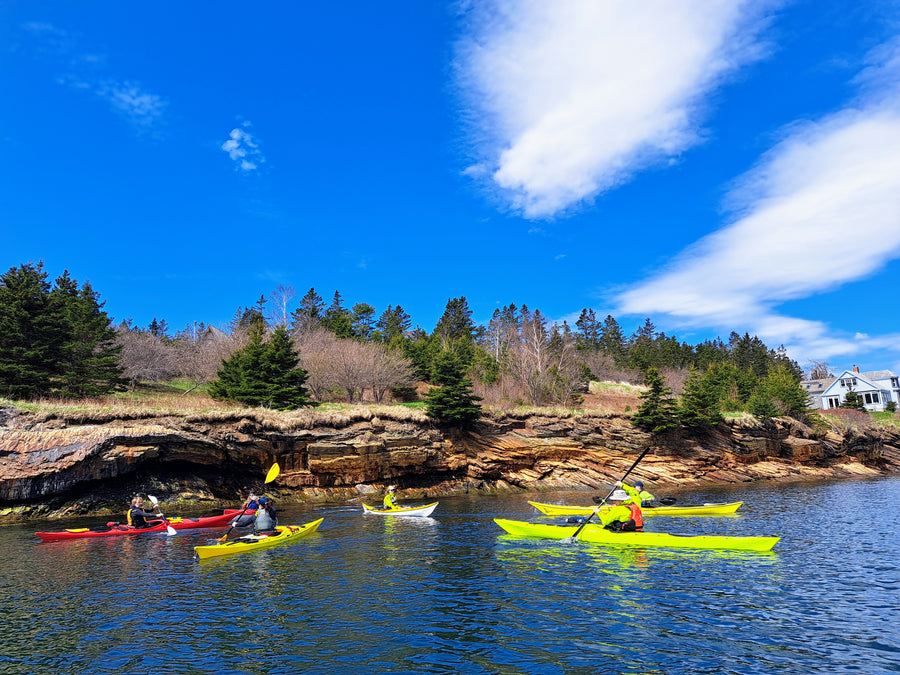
(402, 510)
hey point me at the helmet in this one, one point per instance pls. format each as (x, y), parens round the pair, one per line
(263, 500)
(619, 495)
(638, 484)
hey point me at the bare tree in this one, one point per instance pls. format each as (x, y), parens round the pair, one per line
(819, 370)
(281, 299)
(388, 369)
(200, 350)
(145, 357)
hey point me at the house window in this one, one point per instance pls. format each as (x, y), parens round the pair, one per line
(832, 402)
(870, 398)
(894, 382)
(848, 382)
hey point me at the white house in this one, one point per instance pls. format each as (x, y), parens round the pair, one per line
(875, 388)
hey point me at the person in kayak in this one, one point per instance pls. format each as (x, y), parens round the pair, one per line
(390, 499)
(624, 514)
(647, 499)
(250, 506)
(266, 519)
(137, 517)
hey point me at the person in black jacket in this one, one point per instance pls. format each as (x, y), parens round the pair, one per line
(137, 517)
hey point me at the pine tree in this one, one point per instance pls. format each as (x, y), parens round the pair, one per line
(31, 333)
(309, 312)
(454, 402)
(89, 359)
(263, 373)
(657, 413)
(338, 319)
(699, 405)
(853, 401)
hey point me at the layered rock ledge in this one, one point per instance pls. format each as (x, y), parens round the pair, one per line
(55, 465)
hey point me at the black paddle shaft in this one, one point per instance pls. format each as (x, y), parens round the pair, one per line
(600, 505)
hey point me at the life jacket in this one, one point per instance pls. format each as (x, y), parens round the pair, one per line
(266, 520)
(135, 519)
(390, 501)
(637, 516)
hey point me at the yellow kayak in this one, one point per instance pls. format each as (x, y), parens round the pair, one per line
(595, 534)
(701, 510)
(286, 534)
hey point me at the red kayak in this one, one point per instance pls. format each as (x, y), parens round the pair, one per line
(116, 529)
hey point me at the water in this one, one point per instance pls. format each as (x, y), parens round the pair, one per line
(454, 594)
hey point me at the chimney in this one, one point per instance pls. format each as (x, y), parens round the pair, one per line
(856, 369)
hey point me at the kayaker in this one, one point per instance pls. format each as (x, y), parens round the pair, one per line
(249, 507)
(390, 499)
(647, 499)
(624, 514)
(266, 520)
(136, 516)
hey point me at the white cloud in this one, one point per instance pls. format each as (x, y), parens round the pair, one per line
(571, 97)
(820, 210)
(243, 149)
(144, 110)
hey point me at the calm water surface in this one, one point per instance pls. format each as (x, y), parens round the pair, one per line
(454, 594)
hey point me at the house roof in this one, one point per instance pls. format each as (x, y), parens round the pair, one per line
(878, 375)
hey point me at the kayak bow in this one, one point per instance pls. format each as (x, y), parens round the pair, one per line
(286, 534)
(403, 510)
(595, 534)
(702, 510)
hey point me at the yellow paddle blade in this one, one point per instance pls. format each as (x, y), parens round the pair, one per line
(273, 473)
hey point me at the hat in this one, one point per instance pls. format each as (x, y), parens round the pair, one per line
(391, 487)
(263, 500)
(252, 494)
(638, 484)
(619, 495)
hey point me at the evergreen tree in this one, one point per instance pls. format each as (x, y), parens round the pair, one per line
(89, 359)
(588, 334)
(779, 393)
(338, 319)
(657, 413)
(612, 340)
(394, 322)
(853, 401)
(454, 402)
(263, 373)
(309, 312)
(31, 334)
(699, 405)
(363, 320)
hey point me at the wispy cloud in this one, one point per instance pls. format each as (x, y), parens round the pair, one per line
(821, 209)
(569, 98)
(243, 149)
(82, 70)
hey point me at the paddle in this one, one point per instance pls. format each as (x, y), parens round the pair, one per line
(600, 505)
(169, 529)
(272, 475)
(665, 501)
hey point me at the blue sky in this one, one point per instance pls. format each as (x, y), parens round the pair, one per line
(713, 166)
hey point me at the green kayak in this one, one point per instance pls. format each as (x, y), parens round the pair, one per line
(286, 534)
(595, 534)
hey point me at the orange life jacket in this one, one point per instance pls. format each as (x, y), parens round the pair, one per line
(637, 516)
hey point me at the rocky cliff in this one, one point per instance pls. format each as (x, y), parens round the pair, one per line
(60, 464)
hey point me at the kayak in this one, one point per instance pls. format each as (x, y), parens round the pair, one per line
(403, 510)
(286, 534)
(701, 510)
(115, 529)
(595, 534)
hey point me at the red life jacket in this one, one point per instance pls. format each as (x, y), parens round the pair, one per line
(637, 516)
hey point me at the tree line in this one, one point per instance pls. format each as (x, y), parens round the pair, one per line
(57, 340)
